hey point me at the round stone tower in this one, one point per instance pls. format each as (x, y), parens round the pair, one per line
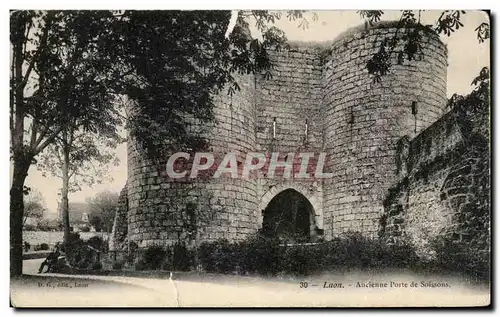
(163, 210)
(365, 118)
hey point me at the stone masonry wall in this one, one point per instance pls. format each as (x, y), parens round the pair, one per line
(363, 120)
(289, 101)
(292, 99)
(119, 232)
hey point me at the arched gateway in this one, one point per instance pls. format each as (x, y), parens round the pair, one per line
(292, 212)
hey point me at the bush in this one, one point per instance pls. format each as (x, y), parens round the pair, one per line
(74, 238)
(154, 257)
(78, 252)
(74, 249)
(266, 256)
(256, 255)
(259, 255)
(133, 246)
(182, 258)
(28, 227)
(96, 242)
(472, 259)
(44, 246)
(139, 266)
(82, 264)
(301, 260)
(117, 265)
(96, 266)
(219, 256)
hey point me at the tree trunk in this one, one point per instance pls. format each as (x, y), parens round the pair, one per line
(21, 167)
(64, 194)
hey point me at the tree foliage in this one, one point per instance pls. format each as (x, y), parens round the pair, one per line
(90, 156)
(102, 208)
(34, 205)
(478, 99)
(407, 42)
(63, 72)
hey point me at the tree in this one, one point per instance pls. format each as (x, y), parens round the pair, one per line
(34, 206)
(102, 208)
(56, 57)
(79, 158)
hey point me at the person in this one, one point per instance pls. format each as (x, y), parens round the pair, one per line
(51, 259)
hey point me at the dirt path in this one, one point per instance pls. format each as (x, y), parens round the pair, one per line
(53, 290)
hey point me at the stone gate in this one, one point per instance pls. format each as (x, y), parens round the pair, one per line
(319, 100)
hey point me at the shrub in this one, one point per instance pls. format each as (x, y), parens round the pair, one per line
(218, 256)
(96, 242)
(182, 258)
(117, 265)
(73, 240)
(78, 252)
(465, 257)
(73, 248)
(167, 265)
(154, 257)
(301, 260)
(82, 264)
(266, 256)
(139, 266)
(132, 254)
(133, 246)
(258, 255)
(402, 255)
(205, 256)
(29, 227)
(44, 246)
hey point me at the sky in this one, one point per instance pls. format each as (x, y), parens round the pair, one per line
(466, 57)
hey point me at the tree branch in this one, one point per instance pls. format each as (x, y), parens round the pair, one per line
(28, 28)
(71, 137)
(43, 44)
(43, 132)
(47, 141)
(34, 130)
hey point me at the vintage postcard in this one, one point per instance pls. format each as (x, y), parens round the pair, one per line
(250, 158)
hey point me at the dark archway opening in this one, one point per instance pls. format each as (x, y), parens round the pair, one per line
(289, 217)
